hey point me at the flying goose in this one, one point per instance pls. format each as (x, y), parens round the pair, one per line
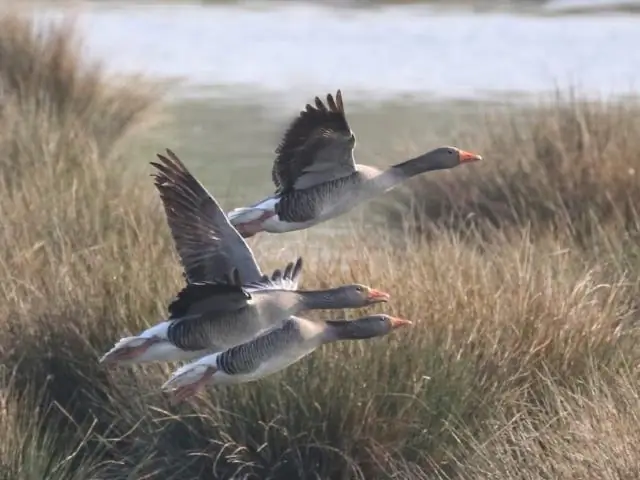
(274, 350)
(209, 314)
(316, 176)
(173, 339)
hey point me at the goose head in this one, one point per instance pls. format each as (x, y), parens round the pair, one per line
(366, 327)
(448, 157)
(354, 296)
(440, 158)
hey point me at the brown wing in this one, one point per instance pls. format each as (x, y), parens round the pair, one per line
(316, 148)
(207, 243)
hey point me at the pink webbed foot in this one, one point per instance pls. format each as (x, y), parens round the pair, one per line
(186, 391)
(249, 229)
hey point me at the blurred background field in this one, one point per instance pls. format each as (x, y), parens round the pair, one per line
(520, 272)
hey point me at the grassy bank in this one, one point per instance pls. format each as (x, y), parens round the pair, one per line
(520, 275)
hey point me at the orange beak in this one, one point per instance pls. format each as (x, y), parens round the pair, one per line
(399, 322)
(378, 296)
(468, 157)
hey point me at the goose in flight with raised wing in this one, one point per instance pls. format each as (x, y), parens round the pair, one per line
(213, 313)
(199, 320)
(273, 350)
(316, 176)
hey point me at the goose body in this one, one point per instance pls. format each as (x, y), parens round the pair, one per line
(299, 210)
(272, 351)
(316, 176)
(192, 331)
(213, 313)
(152, 345)
(263, 216)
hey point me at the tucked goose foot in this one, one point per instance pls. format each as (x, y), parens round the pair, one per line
(185, 391)
(132, 348)
(249, 229)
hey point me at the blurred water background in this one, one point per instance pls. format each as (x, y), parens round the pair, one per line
(412, 74)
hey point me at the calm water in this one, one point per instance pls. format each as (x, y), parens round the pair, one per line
(295, 49)
(249, 69)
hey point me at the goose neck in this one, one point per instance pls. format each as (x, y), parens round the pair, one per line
(315, 299)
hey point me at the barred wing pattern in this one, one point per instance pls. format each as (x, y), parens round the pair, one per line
(246, 358)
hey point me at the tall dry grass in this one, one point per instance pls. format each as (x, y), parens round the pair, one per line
(573, 435)
(522, 357)
(563, 164)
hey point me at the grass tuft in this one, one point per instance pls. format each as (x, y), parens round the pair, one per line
(564, 164)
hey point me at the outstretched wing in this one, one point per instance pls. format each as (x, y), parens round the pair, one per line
(201, 311)
(208, 245)
(316, 148)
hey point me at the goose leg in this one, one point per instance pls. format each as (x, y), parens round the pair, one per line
(250, 228)
(186, 391)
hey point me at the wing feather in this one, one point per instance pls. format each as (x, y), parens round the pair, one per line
(316, 148)
(210, 297)
(287, 280)
(208, 245)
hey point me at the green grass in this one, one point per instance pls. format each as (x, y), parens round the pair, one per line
(520, 274)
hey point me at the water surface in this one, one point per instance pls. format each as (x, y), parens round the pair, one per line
(248, 69)
(291, 50)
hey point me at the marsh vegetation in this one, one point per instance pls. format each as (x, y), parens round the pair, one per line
(520, 273)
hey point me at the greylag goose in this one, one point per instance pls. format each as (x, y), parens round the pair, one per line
(212, 315)
(316, 176)
(274, 350)
(164, 341)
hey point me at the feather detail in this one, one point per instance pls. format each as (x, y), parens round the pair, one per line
(226, 296)
(248, 357)
(317, 147)
(207, 243)
(287, 280)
